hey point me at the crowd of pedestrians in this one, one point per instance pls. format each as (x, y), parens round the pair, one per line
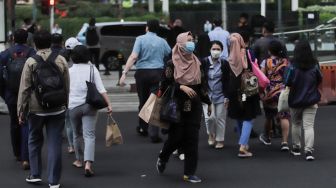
(48, 88)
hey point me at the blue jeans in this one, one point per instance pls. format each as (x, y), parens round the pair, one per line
(244, 130)
(69, 130)
(54, 125)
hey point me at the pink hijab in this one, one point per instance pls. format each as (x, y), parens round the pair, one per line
(237, 58)
(187, 66)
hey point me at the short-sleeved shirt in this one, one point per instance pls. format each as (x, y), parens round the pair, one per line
(151, 51)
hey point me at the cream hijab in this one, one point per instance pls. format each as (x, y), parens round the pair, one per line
(187, 66)
(237, 58)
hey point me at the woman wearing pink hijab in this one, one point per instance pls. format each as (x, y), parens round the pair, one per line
(241, 108)
(184, 74)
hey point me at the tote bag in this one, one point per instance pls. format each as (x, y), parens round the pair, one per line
(263, 81)
(93, 97)
(283, 100)
(170, 111)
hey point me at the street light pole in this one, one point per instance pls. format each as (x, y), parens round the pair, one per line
(165, 7)
(11, 12)
(280, 15)
(263, 7)
(52, 12)
(224, 14)
(34, 11)
(151, 6)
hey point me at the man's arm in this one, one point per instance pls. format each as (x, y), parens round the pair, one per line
(66, 76)
(131, 60)
(25, 89)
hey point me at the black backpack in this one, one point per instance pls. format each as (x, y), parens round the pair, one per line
(91, 36)
(48, 83)
(13, 69)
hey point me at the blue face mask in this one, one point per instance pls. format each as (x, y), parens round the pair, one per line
(190, 47)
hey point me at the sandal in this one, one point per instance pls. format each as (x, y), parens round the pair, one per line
(88, 173)
(77, 164)
(71, 150)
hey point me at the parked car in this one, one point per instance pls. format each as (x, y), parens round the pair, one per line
(117, 40)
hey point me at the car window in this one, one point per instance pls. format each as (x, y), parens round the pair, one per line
(123, 30)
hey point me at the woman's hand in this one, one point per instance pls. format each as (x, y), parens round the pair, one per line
(122, 80)
(109, 109)
(187, 90)
(209, 110)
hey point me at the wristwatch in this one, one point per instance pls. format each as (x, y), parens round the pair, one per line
(124, 72)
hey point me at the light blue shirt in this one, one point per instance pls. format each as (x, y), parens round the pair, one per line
(223, 36)
(151, 51)
(216, 94)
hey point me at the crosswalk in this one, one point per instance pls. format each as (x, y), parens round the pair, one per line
(125, 102)
(121, 102)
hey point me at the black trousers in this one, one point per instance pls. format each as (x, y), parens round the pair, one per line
(15, 130)
(19, 134)
(183, 136)
(147, 81)
(94, 52)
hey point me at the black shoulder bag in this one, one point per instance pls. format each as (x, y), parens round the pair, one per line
(93, 97)
(170, 111)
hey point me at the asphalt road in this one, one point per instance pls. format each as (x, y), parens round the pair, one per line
(132, 165)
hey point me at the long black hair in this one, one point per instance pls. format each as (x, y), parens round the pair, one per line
(303, 55)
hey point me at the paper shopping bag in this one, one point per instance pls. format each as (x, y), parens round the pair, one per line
(113, 134)
(150, 112)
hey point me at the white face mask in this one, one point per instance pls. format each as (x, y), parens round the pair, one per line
(215, 54)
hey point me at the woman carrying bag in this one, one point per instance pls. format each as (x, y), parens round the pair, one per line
(83, 115)
(303, 77)
(183, 74)
(243, 106)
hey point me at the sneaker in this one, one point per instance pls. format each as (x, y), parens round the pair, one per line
(296, 152)
(265, 140)
(192, 179)
(54, 186)
(182, 157)
(160, 166)
(211, 140)
(309, 156)
(244, 154)
(284, 146)
(219, 145)
(33, 179)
